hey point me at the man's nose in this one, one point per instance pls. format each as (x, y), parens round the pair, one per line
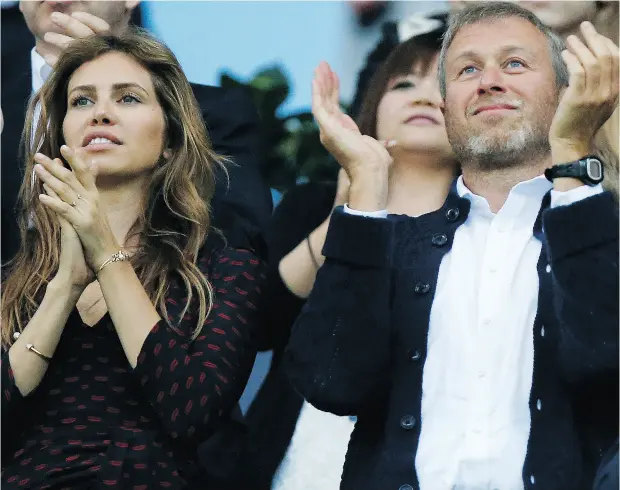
(491, 80)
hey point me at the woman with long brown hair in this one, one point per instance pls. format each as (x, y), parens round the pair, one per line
(127, 321)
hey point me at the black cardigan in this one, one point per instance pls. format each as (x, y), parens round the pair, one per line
(359, 345)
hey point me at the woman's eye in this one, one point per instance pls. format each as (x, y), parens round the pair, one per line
(80, 102)
(403, 85)
(129, 99)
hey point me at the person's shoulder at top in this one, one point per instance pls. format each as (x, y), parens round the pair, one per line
(210, 97)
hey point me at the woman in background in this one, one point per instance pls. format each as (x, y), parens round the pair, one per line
(291, 445)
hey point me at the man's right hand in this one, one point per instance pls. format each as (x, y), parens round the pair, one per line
(78, 25)
(365, 160)
(342, 191)
(339, 133)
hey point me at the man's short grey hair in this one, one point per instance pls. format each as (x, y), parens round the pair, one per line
(489, 11)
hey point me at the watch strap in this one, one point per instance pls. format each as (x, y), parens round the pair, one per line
(577, 169)
(573, 169)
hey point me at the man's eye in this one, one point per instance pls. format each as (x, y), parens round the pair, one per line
(468, 70)
(515, 64)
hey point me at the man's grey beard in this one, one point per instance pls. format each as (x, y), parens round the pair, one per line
(488, 152)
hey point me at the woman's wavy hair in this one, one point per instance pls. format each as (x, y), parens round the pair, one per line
(175, 217)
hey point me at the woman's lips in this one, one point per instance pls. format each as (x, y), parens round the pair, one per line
(421, 120)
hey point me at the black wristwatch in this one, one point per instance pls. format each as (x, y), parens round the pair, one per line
(589, 170)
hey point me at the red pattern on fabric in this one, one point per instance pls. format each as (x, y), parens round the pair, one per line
(97, 420)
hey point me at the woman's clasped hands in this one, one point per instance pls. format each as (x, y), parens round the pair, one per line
(71, 194)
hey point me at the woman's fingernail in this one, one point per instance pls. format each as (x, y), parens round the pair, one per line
(390, 144)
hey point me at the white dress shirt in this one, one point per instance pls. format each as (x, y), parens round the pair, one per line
(40, 70)
(477, 378)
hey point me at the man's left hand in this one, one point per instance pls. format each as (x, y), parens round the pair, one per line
(591, 96)
(78, 25)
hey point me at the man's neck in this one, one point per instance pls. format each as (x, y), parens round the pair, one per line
(45, 49)
(495, 185)
(419, 184)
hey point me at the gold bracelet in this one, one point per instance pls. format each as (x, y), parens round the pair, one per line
(31, 348)
(119, 256)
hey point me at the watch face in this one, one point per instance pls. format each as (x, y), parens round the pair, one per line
(594, 169)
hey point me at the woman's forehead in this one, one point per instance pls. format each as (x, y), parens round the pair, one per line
(421, 67)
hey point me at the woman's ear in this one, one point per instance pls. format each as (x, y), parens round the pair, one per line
(167, 153)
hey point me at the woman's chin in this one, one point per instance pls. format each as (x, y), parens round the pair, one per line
(418, 145)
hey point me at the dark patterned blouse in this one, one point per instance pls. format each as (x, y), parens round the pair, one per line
(94, 422)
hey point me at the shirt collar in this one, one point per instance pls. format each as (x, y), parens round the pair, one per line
(40, 70)
(527, 194)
